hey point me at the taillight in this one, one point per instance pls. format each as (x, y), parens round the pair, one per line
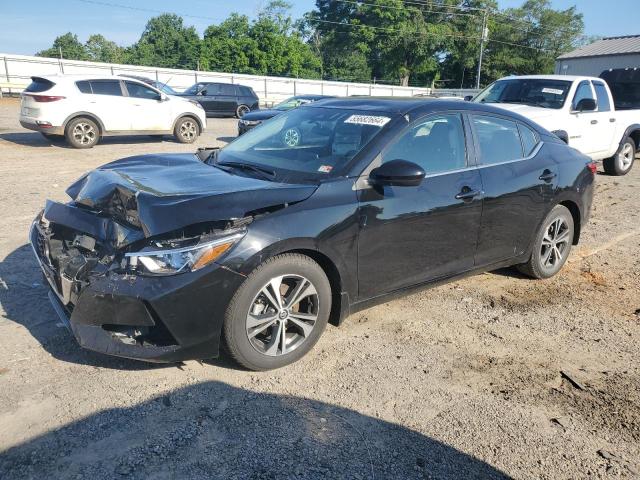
(592, 167)
(46, 98)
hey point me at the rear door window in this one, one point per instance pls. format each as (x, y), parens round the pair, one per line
(227, 90)
(137, 90)
(498, 138)
(106, 87)
(602, 98)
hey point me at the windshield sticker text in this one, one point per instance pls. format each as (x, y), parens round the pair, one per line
(368, 120)
(553, 91)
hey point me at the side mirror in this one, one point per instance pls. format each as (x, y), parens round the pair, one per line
(586, 105)
(164, 98)
(400, 173)
(468, 98)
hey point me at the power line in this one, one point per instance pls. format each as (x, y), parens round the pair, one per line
(431, 34)
(150, 10)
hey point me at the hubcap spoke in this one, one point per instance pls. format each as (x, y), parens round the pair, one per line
(282, 315)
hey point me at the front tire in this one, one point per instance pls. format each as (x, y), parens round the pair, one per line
(82, 132)
(552, 244)
(622, 161)
(278, 313)
(186, 130)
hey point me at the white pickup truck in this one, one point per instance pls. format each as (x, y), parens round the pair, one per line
(580, 110)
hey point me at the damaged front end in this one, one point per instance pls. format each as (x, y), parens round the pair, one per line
(123, 294)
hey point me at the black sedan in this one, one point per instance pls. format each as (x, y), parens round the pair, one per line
(324, 210)
(253, 119)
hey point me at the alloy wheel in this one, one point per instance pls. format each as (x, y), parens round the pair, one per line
(282, 315)
(84, 133)
(291, 137)
(188, 130)
(243, 110)
(625, 157)
(555, 243)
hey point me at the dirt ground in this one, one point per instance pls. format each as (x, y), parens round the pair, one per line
(494, 376)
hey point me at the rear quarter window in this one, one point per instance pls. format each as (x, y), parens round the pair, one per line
(246, 91)
(39, 85)
(529, 139)
(84, 86)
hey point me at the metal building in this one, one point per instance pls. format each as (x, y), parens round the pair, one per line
(601, 55)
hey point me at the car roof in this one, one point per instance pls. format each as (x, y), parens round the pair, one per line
(568, 78)
(59, 77)
(415, 106)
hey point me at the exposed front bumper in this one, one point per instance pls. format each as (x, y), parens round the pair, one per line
(244, 127)
(157, 319)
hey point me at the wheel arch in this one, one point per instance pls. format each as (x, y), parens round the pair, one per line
(577, 218)
(91, 116)
(632, 131)
(188, 115)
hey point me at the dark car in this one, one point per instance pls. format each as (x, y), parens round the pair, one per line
(223, 99)
(163, 87)
(253, 119)
(324, 210)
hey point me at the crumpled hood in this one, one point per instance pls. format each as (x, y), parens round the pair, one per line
(161, 193)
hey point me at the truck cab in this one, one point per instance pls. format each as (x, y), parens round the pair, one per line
(580, 110)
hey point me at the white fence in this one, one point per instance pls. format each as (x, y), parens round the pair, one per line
(16, 71)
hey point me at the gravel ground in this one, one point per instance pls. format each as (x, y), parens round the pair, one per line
(495, 376)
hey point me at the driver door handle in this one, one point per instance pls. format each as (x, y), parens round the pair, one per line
(467, 194)
(593, 122)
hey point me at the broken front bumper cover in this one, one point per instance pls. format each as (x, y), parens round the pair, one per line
(157, 319)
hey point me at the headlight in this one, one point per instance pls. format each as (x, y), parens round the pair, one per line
(197, 104)
(250, 123)
(180, 260)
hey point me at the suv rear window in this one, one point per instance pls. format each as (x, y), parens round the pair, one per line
(39, 85)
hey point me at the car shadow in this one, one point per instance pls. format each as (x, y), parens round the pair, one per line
(35, 139)
(23, 296)
(213, 430)
(226, 139)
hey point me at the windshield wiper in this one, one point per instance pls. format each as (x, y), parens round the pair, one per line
(263, 172)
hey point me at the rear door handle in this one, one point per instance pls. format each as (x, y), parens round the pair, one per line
(547, 176)
(612, 120)
(593, 122)
(467, 194)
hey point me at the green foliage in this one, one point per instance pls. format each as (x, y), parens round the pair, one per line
(166, 42)
(70, 46)
(390, 41)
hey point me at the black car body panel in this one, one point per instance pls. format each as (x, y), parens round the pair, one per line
(222, 98)
(180, 191)
(374, 242)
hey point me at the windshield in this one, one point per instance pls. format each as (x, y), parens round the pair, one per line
(305, 144)
(292, 102)
(536, 92)
(165, 88)
(193, 89)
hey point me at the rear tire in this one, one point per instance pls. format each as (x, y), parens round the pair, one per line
(552, 245)
(242, 110)
(187, 130)
(82, 132)
(254, 325)
(622, 161)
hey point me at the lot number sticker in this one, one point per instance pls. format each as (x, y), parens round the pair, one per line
(554, 91)
(368, 120)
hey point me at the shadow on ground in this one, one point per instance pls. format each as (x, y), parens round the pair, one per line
(35, 139)
(23, 296)
(215, 431)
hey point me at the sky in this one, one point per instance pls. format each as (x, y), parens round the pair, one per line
(28, 30)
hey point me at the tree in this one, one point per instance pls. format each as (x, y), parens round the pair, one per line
(99, 49)
(70, 46)
(167, 42)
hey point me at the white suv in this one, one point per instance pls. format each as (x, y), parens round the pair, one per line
(85, 108)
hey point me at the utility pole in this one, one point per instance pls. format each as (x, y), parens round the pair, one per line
(483, 38)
